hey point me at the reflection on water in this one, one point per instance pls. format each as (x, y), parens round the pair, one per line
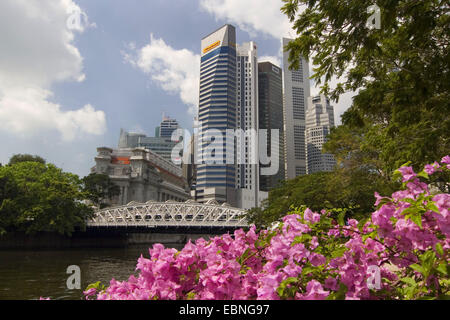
(31, 274)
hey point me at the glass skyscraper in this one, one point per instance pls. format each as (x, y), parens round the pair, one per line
(296, 93)
(271, 117)
(167, 127)
(216, 171)
(319, 121)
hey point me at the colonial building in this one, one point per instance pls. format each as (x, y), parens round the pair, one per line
(142, 175)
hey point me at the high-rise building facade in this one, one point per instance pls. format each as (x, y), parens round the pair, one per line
(216, 180)
(296, 92)
(162, 146)
(247, 136)
(270, 93)
(247, 164)
(319, 121)
(167, 127)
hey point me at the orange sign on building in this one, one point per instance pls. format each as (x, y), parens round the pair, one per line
(212, 46)
(120, 160)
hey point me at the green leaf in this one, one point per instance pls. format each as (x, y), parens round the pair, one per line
(338, 252)
(308, 270)
(417, 268)
(416, 218)
(427, 298)
(190, 295)
(409, 280)
(340, 218)
(431, 206)
(304, 238)
(282, 288)
(340, 294)
(423, 174)
(443, 268)
(439, 249)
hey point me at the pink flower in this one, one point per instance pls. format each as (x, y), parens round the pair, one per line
(234, 266)
(314, 291)
(331, 283)
(312, 217)
(407, 173)
(431, 168)
(89, 292)
(317, 259)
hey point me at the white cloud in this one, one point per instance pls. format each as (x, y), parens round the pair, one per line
(37, 51)
(251, 15)
(176, 71)
(27, 111)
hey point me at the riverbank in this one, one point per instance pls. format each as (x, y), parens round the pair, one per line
(30, 274)
(94, 239)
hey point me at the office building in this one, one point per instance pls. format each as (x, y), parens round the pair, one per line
(247, 164)
(162, 146)
(166, 128)
(270, 92)
(216, 172)
(319, 121)
(296, 92)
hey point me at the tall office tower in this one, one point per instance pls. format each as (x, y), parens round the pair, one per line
(247, 164)
(271, 117)
(319, 121)
(216, 172)
(296, 92)
(166, 127)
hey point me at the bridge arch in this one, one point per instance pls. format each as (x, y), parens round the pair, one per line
(170, 214)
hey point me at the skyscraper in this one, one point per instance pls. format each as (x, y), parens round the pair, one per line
(247, 166)
(319, 121)
(271, 117)
(166, 127)
(296, 92)
(217, 113)
(161, 145)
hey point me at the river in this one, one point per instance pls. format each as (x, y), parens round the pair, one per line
(26, 275)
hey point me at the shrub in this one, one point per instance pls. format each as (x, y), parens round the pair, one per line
(310, 255)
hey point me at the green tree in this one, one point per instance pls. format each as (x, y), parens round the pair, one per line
(400, 72)
(24, 158)
(8, 191)
(39, 197)
(350, 190)
(99, 188)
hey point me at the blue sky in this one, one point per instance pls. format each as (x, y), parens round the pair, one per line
(64, 92)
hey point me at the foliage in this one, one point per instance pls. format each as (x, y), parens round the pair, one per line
(311, 255)
(347, 189)
(24, 158)
(100, 188)
(400, 73)
(38, 197)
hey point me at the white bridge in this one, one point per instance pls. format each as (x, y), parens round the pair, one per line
(170, 214)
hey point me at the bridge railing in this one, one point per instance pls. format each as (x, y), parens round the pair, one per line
(169, 214)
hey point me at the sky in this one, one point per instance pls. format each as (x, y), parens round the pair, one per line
(74, 72)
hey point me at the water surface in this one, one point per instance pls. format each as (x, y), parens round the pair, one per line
(27, 274)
